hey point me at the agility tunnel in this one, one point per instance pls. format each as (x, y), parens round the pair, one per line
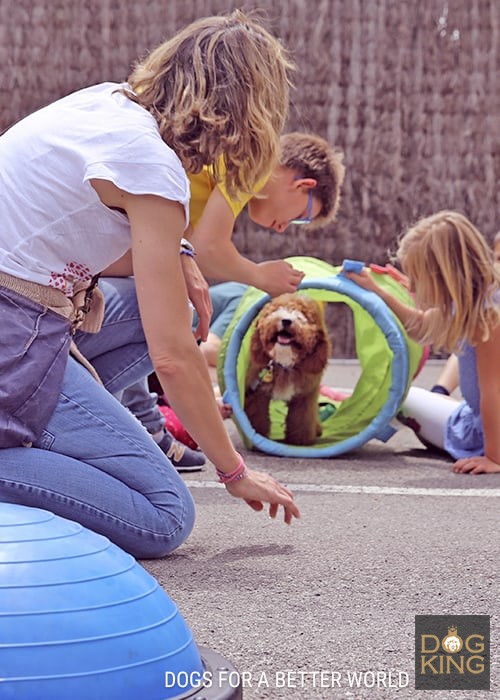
(388, 359)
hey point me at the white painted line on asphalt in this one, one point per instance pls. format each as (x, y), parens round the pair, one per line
(375, 490)
(395, 490)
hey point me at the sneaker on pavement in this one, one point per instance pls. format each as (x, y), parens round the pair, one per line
(182, 457)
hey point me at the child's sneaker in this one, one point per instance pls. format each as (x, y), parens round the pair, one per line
(182, 457)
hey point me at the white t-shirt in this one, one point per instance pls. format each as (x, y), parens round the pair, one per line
(54, 229)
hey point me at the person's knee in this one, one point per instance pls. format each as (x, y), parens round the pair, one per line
(185, 521)
(178, 527)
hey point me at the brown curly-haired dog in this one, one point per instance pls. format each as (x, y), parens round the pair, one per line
(289, 351)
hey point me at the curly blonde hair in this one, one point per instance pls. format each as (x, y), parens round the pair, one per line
(450, 266)
(219, 89)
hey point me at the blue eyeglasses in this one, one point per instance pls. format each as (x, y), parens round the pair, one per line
(307, 219)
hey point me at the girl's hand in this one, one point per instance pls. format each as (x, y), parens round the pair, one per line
(476, 465)
(363, 279)
(257, 488)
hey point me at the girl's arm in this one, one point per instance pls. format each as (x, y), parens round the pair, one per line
(489, 386)
(414, 320)
(157, 226)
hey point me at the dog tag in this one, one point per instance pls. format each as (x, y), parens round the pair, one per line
(266, 375)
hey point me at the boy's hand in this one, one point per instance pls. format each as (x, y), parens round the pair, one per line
(278, 277)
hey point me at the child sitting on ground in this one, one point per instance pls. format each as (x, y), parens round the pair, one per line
(460, 313)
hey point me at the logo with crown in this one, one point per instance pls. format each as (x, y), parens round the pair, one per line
(452, 643)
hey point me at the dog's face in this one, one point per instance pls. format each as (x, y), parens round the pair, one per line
(289, 328)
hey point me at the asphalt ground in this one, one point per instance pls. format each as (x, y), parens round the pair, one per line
(308, 611)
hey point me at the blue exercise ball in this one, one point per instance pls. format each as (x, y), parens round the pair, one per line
(81, 619)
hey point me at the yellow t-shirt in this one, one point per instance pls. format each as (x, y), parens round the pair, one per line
(202, 186)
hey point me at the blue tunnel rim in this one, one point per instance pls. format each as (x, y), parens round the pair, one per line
(378, 426)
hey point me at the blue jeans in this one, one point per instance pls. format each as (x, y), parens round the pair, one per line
(137, 397)
(94, 462)
(144, 405)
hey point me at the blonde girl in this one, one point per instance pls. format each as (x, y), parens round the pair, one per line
(82, 181)
(457, 288)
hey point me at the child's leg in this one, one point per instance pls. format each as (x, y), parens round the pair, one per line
(144, 405)
(448, 380)
(427, 414)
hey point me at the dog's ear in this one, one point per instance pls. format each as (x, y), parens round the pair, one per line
(257, 349)
(317, 360)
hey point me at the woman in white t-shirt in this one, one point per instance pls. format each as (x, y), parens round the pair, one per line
(82, 181)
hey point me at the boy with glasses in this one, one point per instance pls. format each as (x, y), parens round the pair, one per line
(303, 188)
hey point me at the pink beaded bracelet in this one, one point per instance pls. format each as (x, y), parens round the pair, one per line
(239, 473)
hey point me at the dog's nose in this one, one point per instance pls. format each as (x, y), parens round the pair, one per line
(286, 322)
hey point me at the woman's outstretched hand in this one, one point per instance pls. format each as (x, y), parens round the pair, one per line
(258, 488)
